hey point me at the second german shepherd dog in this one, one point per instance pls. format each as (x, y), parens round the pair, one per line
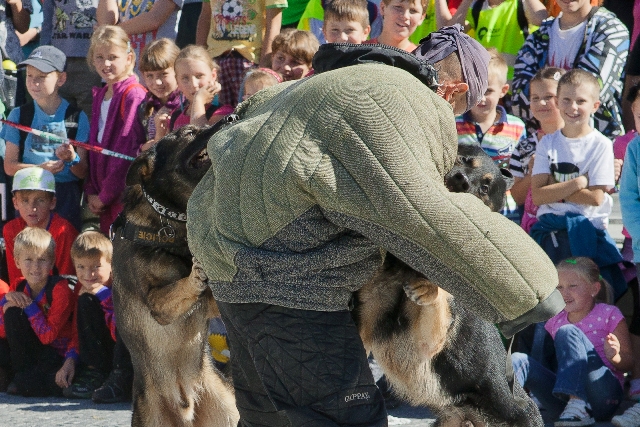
(433, 351)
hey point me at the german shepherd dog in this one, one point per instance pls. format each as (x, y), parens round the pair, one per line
(433, 351)
(161, 299)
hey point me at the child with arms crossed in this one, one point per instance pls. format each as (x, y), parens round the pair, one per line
(571, 176)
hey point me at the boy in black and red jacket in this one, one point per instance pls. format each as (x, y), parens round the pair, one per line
(94, 326)
(36, 317)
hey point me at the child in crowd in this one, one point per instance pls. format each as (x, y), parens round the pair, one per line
(593, 351)
(488, 125)
(143, 20)
(197, 76)
(238, 37)
(259, 79)
(36, 317)
(50, 113)
(34, 197)
(114, 122)
(293, 52)
(400, 20)
(571, 176)
(544, 106)
(583, 37)
(630, 208)
(346, 21)
(156, 65)
(315, 16)
(94, 327)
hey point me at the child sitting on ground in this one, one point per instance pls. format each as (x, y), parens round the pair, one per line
(571, 176)
(197, 76)
(156, 66)
(346, 21)
(488, 125)
(36, 317)
(593, 351)
(293, 52)
(34, 197)
(258, 79)
(50, 113)
(94, 328)
(400, 20)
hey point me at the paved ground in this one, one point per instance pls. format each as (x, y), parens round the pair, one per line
(59, 412)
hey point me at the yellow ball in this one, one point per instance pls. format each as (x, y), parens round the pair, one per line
(8, 64)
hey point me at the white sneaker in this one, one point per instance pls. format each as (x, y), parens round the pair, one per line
(630, 418)
(575, 414)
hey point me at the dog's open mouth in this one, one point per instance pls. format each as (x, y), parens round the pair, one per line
(200, 160)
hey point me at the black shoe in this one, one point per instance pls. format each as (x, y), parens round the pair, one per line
(117, 388)
(85, 384)
(12, 389)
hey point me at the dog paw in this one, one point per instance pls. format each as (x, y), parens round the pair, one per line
(198, 274)
(421, 291)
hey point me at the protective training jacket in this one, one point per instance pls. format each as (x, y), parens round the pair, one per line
(318, 175)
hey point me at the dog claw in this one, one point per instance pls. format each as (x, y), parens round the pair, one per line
(198, 273)
(421, 291)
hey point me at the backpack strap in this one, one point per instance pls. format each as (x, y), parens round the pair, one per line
(71, 120)
(211, 108)
(523, 23)
(48, 288)
(27, 112)
(124, 95)
(174, 117)
(475, 12)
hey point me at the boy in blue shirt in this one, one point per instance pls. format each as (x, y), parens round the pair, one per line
(50, 113)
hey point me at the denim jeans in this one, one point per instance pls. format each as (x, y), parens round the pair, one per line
(581, 373)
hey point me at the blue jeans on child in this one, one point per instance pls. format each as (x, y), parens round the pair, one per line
(581, 373)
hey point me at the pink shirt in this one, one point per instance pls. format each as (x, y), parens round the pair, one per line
(600, 322)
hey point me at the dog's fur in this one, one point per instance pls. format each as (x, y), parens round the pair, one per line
(161, 300)
(433, 351)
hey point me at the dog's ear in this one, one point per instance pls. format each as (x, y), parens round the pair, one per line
(140, 170)
(508, 177)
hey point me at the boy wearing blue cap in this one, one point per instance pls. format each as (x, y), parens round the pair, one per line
(50, 113)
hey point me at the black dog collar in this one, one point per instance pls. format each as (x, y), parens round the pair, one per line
(164, 237)
(163, 210)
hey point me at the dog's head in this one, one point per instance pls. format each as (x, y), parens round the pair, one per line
(171, 169)
(474, 172)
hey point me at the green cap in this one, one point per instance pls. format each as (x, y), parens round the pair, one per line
(34, 178)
